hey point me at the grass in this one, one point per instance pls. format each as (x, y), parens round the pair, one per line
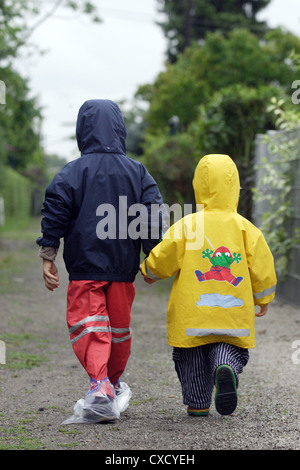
(12, 267)
(19, 436)
(14, 260)
(19, 439)
(17, 357)
(20, 360)
(21, 229)
(140, 402)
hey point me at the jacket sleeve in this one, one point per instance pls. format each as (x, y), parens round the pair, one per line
(56, 211)
(166, 258)
(157, 217)
(262, 272)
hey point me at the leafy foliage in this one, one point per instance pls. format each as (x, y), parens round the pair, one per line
(19, 120)
(15, 19)
(20, 113)
(220, 91)
(189, 21)
(222, 61)
(275, 186)
(171, 159)
(232, 118)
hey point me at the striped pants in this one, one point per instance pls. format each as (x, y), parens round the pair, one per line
(98, 318)
(196, 368)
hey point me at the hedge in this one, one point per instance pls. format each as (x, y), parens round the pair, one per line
(16, 190)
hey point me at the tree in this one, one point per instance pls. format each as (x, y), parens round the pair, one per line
(20, 117)
(229, 123)
(20, 113)
(135, 125)
(220, 91)
(171, 160)
(223, 60)
(15, 29)
(231, 120)
(20, 120)
(188, 21)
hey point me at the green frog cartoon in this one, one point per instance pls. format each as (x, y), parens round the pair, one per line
(221, 260)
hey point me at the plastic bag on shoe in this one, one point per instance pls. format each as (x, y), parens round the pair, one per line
(99, 405)
(78, 414)
(123, 395)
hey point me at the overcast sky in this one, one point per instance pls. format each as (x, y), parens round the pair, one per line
(110, 60)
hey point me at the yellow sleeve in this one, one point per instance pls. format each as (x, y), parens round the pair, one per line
(262, 272)
(165, 259)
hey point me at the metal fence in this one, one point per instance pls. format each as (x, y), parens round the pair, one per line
(289, 287)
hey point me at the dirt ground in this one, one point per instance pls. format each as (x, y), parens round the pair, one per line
(42, 379)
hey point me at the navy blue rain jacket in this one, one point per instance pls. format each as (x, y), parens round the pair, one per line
(101, 175)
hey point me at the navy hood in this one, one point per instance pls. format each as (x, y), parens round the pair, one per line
(100, 128)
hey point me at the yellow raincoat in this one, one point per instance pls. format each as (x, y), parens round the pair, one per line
(224, 266)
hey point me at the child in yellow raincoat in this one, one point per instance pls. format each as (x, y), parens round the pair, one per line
(223, 268)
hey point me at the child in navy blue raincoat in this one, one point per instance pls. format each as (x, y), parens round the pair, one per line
(88, 206)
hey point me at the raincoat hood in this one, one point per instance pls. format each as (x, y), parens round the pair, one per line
(100, 128)
(216, 183)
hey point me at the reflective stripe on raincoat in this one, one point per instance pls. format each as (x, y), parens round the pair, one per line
(222, 275)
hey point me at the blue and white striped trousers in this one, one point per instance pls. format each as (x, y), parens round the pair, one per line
(196, 368)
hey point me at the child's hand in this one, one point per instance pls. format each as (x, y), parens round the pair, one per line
(50, 275)
(263, 311)
(147, 279)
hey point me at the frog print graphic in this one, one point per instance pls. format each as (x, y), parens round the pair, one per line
(221, 260)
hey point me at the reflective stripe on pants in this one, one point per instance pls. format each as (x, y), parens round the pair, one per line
(98, 318)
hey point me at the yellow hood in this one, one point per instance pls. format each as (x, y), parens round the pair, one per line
(217, 186)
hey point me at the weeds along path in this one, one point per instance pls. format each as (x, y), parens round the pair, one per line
(42, 379)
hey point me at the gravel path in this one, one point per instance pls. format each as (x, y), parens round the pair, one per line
(42, 379)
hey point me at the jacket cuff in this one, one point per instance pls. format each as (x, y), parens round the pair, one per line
(48, 252)
(45, 241)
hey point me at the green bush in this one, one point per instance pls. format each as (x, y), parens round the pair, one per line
(171, 161)
(17, 193)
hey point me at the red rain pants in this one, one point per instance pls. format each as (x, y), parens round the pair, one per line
(98, 318)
